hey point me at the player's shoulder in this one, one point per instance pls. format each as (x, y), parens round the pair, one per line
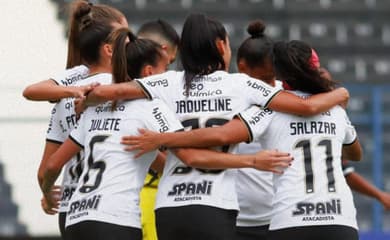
(71, 76)
(101, 78)
(338, 112)
(237, 76)
(145, 104)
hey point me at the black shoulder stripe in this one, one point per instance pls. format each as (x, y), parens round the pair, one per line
(76, 142)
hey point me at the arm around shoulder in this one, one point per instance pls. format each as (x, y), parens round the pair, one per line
(318, 103)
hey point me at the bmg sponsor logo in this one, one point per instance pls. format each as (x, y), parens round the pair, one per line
(259, 86)
(256, 118)
(71, 79)
(158, 82)
(161, 120)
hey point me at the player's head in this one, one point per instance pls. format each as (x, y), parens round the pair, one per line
(204, 46)
(163, 33)
(90, 26)
(254, 56)
(293, 62)
(136, 58)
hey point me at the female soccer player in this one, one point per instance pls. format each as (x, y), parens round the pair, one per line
(62, 85)
(162, 33)
(105, 203)
(166, 36)
(254, 188)
(89, 30)
(205, 95)
(312, 199)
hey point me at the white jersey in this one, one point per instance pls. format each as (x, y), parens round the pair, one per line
(212, 100)
(71, 76)
(62, 122)
(109, 187)
(254, 189)
(312, 191)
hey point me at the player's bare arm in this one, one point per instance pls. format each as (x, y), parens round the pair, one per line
(52, 169)
(118, 91)
(353, 151)
(230, 133)
(48, 90)
(315, 104)
(267, 160)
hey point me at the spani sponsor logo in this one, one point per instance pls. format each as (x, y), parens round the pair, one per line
(84, 204)
(191, 188)
(332, 207)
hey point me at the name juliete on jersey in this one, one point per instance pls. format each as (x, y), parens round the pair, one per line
(319, 211)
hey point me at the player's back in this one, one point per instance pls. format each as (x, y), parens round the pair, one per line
(112, 177)
(312, 191)
(207, 101)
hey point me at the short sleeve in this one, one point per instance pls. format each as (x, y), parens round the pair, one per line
(161, 119)
(157, 86)
(347, 169)
(350, 132)
(56, 132)
(256, 120)
(256, 91)
(78, 134)
(70, 76)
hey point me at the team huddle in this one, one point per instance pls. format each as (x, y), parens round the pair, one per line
(201, 152)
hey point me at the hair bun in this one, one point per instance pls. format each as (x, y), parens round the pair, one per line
(256, 29)
(81, 9)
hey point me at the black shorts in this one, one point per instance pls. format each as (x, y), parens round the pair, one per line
(101, 231)
(252, 233)
(61, 223)
(195, 222)
(324, 232)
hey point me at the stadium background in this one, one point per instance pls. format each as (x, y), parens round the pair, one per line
(352, 38)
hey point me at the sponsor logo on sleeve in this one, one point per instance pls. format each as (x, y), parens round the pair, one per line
(161, 119)
(256, 117)
(158, 82)
(266, 91)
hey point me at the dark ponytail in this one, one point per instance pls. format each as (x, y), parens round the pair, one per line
(198, 50)
(292, 65)
(129, 58)
(119, 56)
(257, 49)
(79, 9)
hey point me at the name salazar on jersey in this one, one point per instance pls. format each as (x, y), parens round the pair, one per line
(190, 191)
(319, 211)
